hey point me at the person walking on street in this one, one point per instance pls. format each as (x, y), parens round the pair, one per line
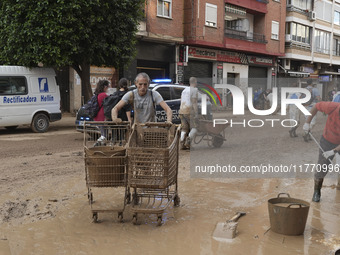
(143, 101)
(315, 97)
(125, 112)
(294, 114)
(101, 89)
(329, 142)
(188, 113)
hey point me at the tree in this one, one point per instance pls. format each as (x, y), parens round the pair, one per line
(77, 33)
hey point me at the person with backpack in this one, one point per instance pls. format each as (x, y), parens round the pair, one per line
(100, 92)
(112, 100)
(143, 101)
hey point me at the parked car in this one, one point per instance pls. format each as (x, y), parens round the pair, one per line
(171, 94)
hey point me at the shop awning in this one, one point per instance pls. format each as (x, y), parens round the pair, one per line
(329, 72)
(298, 74)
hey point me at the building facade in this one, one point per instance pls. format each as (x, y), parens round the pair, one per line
(312, 42)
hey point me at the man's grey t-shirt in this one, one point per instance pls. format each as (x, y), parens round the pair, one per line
(144, 110)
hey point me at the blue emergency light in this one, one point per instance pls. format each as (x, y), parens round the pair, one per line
(161, 80)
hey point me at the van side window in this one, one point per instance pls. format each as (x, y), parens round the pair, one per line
(13, 86)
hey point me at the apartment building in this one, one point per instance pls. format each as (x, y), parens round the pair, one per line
(234, 42)
(159, 35)
(312, 42)
(218, 41)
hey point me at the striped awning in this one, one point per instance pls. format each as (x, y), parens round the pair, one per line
(235, 9)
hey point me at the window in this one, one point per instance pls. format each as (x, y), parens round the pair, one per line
(336, 46)
(211, 15)
(298, 32)
(275, 30)
(177, 93)
(300, 4)
(322, 41)
(337, 18)
(165, 93)
(236, 24)
(164, 8)
(13, 86)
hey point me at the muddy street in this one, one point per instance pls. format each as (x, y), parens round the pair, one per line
(44, 207)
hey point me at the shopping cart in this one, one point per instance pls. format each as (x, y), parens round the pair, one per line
(214, 135)
(106, 162)
(153, 168)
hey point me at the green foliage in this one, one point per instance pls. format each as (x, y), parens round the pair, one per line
(61, 33)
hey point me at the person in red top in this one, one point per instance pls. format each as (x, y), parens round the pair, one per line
(102, 87)
(329, 142)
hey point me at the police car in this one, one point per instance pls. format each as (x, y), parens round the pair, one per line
(171, 94)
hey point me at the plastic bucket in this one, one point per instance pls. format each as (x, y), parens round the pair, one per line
(288, 215)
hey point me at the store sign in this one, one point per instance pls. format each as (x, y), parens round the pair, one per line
(229, 56)
(202, 53)
(324, 78)
(100, 73)
(255, 60)
(307, 69)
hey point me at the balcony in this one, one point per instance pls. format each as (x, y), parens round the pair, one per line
(252, 6)
(244, 35)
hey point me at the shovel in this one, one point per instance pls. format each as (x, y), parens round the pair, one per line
(225, 231)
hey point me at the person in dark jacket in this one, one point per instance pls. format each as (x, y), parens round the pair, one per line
(122, 89)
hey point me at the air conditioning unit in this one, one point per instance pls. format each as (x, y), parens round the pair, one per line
(288, 38)
(301, 68)
(286, 64)
(312, 15)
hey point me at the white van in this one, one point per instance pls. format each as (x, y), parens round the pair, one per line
(28, 96)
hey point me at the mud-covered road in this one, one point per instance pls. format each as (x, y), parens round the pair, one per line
(44, 207)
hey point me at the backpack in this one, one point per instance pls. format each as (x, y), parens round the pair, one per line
(110, 102)
(92, 107)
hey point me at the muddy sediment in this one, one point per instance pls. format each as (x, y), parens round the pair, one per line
(45, 210)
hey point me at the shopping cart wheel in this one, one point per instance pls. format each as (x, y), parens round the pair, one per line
(177, 200)
(217, 141)
(134, 219)
(120, 216)
(128, 198)
(135, 199)
(95, 217)
(159, 221)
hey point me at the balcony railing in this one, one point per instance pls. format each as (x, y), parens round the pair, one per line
(263, 1)
(243, 35)
(298, 45)
(336, 53)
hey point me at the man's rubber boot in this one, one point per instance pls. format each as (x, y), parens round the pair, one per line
(306, 137)
(317, 190)
(294, 132)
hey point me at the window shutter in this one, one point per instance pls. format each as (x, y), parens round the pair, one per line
(211, 13)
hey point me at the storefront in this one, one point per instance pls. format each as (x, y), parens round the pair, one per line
(155, 59)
